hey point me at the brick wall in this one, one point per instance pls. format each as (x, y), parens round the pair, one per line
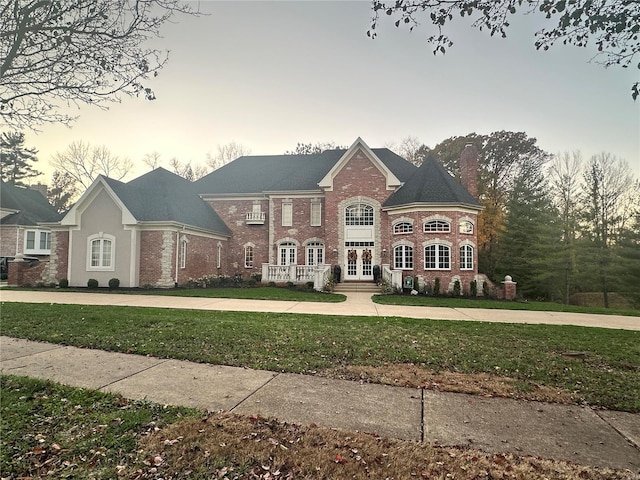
(27, 274)
(8, 234)
(202, 258)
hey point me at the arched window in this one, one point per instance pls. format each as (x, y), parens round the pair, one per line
(466, 257)
(287, 253)
(466, 227)
(402, 227)
(437, 226)
(437, 257)
(358, 214)
(403, 257)
(101, 250)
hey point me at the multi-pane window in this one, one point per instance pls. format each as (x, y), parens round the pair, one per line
(101, 253)
(437, 257)
(403, 257)
(466, 227)
(316, 213)
(37, 241)
(287, 253)
(219, 257)
(358, 214)
(287, 213)
(439, 226)
(315, 253)
(402, 227)
(466, 257)
(183, 253)
(248, 256)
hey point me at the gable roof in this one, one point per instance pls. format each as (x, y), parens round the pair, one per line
(30, 206)
(162, 196)
(284, 173)
(431, 184)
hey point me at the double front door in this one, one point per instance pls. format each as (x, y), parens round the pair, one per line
(359, 263)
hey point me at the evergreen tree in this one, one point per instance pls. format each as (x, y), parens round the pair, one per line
(16, 159)
(61, 191)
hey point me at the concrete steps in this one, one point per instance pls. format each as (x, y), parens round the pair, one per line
(360, 287)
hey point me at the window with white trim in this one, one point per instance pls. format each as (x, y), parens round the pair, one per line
(402, 227)
(183, 253)
(248, 256)
(287, 213)
(403, 257)
(316, 213)
(101, 252)
(466, 227)
(437, 226)
(219, 259)
(437, 257)
(287, 253)
(466, 257)
(358, 214)
(37, 242)
(315, 253)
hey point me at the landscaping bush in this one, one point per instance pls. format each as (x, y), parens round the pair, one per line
(92, 283)
(114, 283)
(485, 289)
(257, 277)
(63, 283)
(436, 287)
(473, 288)
(457, 288)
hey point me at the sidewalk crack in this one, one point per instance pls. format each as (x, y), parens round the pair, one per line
(134, 373)
(254, 392)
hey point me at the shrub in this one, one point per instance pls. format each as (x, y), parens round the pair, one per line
(250, 282)
(485, 289)
(92, 283)
(272, 284)
(63, 283)
(114, 283)
(310, 285)
(457, 288)
(473, 288)
(291, 285)
(257, 277)
(436, 287)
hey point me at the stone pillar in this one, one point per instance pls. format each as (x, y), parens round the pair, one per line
(508, 288)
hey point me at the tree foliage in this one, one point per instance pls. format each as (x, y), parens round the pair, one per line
(61, 191)
(226, 153)
(186, 170)
(16, 159)
(311, 148)
(83, 163)
(56, 53)
(613, 26)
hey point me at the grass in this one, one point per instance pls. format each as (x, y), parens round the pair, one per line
(425, 301)
(528, 356)
(52, 431)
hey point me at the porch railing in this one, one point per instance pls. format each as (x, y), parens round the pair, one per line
(318, 274)
(393, 278)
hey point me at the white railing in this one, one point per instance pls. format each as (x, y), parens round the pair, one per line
(255, 217)
(318, 274)
(393, 278)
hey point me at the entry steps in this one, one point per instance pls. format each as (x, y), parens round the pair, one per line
(360, 287)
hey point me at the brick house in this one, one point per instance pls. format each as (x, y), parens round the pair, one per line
(285, 217)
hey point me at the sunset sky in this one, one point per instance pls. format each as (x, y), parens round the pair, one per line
(271, 74)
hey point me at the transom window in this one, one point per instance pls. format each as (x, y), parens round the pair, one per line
(358, 214)
(437, 257)
(437, 226)
(466, 227)
(101, 250)
(402, 227)
(466, 257)
(315, 253)
(403, 257)
(287, 253)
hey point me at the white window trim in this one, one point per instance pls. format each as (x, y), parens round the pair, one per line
(289, 247)
(101, 236)
(424, 226)
(249, 248)
(404, 246)
(469, 221)
(315, 205)
(462, 265)
(183, 252)
(287, 213)
(315, 247)
(36, 250)
(397, 224)
(439, 246)
(219, 259)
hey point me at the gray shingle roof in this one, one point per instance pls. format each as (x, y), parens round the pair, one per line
(431, 183)
(269, 173)
(31, 206)
(162, 196)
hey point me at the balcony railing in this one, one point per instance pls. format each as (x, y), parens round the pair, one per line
(318, 274)
(255, 218)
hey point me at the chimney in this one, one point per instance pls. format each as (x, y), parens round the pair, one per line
(40, 187)
(469, 169)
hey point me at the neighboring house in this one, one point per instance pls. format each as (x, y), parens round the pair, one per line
(22, 210)
(286, 217)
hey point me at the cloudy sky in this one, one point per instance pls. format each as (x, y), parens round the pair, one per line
(271, 74)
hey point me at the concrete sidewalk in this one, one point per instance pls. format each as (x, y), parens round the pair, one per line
(359, 304)
(581, 435)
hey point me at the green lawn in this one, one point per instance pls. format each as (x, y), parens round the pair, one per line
(608, 376)
(424, 301)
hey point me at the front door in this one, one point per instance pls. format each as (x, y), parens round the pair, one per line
(359, 263)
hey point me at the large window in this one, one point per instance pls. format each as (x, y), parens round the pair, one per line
(439, 226)
(287, 253)
(403, 257)
(437, 257)
(466, 257)
(316, 213)
(315, 253)
(287, 213)
(248, 256)
(402, 227)
(37, 242)
(358, 214)
(101, 249)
